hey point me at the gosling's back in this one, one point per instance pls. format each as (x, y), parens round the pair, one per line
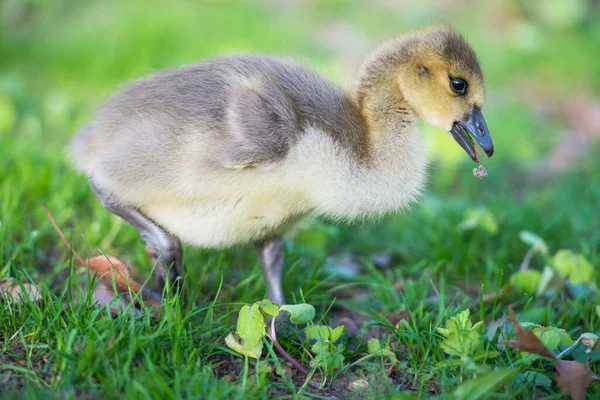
(195, 119)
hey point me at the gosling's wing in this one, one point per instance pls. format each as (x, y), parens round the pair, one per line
(261, 121)
(144, 128)
(238, 111)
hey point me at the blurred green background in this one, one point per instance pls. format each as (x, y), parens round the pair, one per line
(59, 59)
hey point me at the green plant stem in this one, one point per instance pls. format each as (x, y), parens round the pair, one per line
(565, 351)
(285, 355)
(245, 374)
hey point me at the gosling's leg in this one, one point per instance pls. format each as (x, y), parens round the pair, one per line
(270, 252)
(164, 249)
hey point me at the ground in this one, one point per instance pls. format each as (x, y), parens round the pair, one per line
(399, 279)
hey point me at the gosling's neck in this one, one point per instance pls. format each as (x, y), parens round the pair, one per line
(386, 176)
(377, 96)
(384, 112)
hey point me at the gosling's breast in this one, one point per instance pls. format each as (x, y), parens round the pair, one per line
(216, 222)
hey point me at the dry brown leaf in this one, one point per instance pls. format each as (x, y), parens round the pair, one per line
(105, 296)
(15, 292)
(573, 378)
(109, 268)
(526, 340)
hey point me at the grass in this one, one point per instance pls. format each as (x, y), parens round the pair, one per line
(59, 59)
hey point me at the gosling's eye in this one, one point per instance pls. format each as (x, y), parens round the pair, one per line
(458, 86)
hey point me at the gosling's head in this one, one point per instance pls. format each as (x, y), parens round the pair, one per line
(438, 76)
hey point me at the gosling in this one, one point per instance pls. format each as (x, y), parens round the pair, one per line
(236, 149)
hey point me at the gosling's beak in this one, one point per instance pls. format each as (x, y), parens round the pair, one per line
(474, 128)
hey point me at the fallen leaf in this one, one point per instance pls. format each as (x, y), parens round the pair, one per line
(109, 268)
(251, 325)
(526, 340)
(573, 378)
(237, 344)
(16, 292)
(249, 332)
